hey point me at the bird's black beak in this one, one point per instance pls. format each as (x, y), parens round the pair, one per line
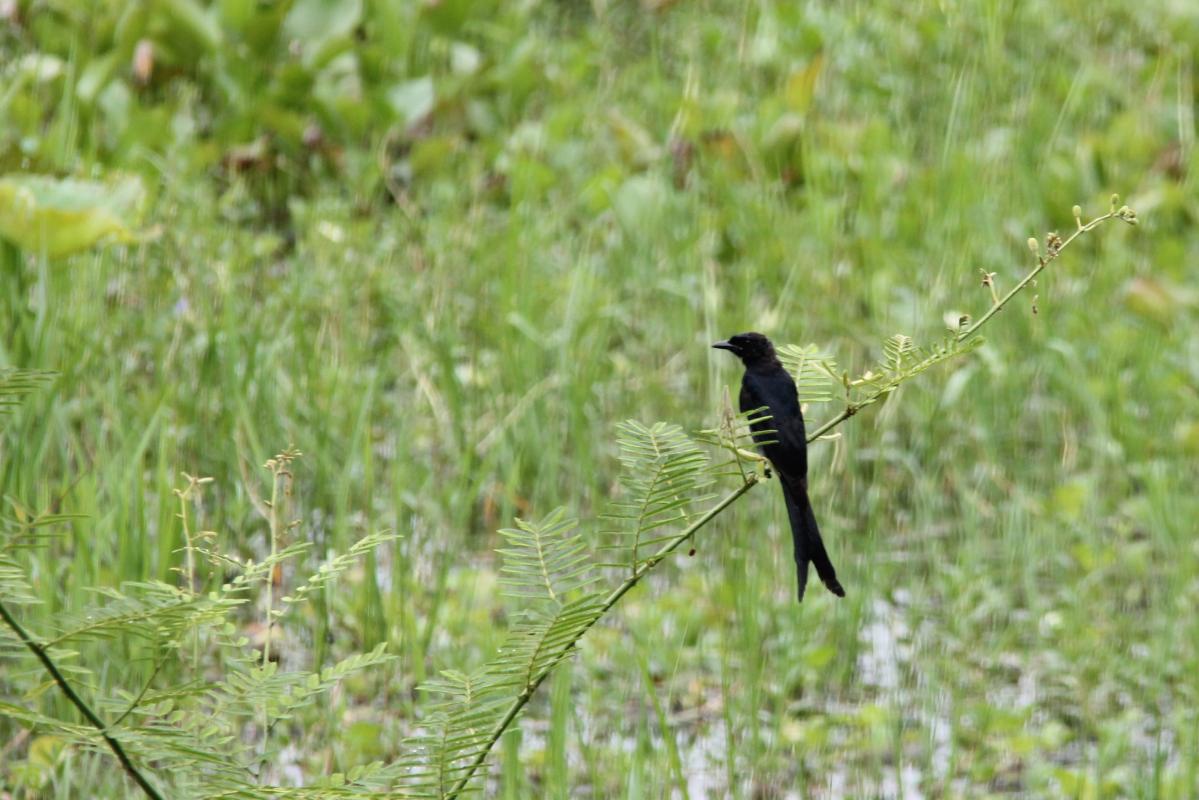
(732, 348)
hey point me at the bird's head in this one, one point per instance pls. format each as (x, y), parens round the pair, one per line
(751, 348)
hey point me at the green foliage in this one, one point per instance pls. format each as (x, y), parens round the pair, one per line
(664, 474)
(460, 728)
(545, 561)
(20, 527)
(268, 94)
(334, 566)
(192, 734)
(902, 360)
(544, 565)
(59, 217)
(819, 380)
(16, 384)
(153, 611)
(814, 372)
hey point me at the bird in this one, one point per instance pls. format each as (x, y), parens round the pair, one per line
(783, 440)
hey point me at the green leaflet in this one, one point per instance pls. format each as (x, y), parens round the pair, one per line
(544, 560)
(664, 473)
(15, 384)
(814, 371)
(445, 759)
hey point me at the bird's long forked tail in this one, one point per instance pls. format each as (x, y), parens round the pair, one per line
(805, 536)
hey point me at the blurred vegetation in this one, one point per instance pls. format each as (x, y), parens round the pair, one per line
(444, 246)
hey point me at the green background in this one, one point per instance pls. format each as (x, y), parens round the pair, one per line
(444, 247)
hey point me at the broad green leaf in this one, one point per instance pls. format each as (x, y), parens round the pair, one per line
(314, 20)
(801, 85)
(96, 75)
(56, 216)
(412, 99)
(37, 68)
(192, 21)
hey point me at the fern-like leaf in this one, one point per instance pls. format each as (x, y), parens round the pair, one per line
(283, 693)
(898, 351)
(15, 384)
(149, 610)
(664, 473)
(814, 372)
(545, 560)
(949, 347)
(537, 643)
(454, 736)
(335, 565)
(444, 761)
(14, 586)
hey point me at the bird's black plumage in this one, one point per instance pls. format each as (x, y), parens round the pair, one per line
(783, 440)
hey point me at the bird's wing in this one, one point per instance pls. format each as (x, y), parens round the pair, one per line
(789, 448)
(792, 457)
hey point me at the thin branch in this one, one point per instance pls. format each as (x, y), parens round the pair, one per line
(1124, 214)
(274, 548)
(78, 702)
(137, 701)
(118, 621)
(281, 478)
(612, 599)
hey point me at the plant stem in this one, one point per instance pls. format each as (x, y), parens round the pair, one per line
(270, 578)
(852, 408)
(276, 466)
(1042, 262)
(77, 701)
(612, 599)
(184, 496)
